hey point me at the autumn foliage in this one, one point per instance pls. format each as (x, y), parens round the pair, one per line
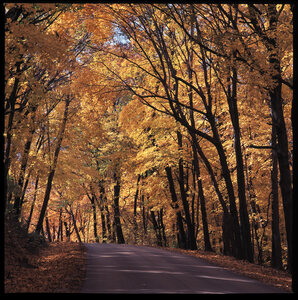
(159, 124)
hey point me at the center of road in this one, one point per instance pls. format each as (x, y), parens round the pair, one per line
(114, 268)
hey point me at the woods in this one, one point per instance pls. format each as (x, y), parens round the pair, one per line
(152, 124)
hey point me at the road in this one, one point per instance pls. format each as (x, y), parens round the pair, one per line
(113, 268)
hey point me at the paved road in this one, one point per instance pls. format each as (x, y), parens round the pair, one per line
(113, 268)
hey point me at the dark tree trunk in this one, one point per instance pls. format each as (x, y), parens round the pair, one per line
(33, 202)
(103, 225)
(135, 224)
(244, 220)
(67, 231)
(282, 147)
(52, 172)
(231, 247)
(161, 225)
(92, 199)
(18, 199)
(276, 260)
(191, 239)
(117, 221)
(60, 229)
(48, 230)
(202, 200)
(11, 106)
(283, 160)
(181, 232)
(156, 228)
(238, 249)
(101, 204)
(108, 222)
(75, 225)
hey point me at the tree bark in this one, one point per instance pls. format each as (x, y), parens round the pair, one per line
(52, 171)
(33, 202)
(7, 160)
(48, 229)
(101, 205)
(282, 138)
(161, 225)
(202, 200)
(135, 224)
(278, 120)
(244, 220)
(60, 228)
(18, 201)
(182, 236)
(92, 199)
(191, 239)
(156, 229)
(119, 233)
(276, 259)
(75, 225)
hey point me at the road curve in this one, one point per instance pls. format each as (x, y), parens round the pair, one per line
(113, 268)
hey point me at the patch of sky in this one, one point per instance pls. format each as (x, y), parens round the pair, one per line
(119, 38)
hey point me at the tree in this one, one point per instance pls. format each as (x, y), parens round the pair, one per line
(53, 167)
(157, 124)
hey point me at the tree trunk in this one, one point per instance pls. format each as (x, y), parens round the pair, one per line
(135, 224)
(182, 236)
(18, 202)
(75, 225)
(119, 233)
(108, 222)
(156, 229)
(103, 225)
(276, 260)
(202, 200)
(60, 228)
(278, 121)
(283, 160)
(48, 229)
(100, 205)
(52, 172)
(33, 202)
(244, 220)
(67, 231)
(11, 105)
(144, 216)
(191, 239)
(92, 199)
(238, 251)
(228, 238)
(161, 225)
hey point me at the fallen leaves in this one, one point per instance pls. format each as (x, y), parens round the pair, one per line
(278, 278)
(60, 267)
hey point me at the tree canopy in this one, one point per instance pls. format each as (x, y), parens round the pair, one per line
(160, 124)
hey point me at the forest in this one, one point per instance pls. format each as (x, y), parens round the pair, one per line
(152, 124)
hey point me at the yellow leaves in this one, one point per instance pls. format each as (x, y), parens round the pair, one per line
(113, 130)
(24, 39)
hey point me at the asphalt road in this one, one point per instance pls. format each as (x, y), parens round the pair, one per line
(113, 268)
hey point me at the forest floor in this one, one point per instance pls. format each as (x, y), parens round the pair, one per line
(32, 265)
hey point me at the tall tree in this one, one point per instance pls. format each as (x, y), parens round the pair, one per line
(53, 167)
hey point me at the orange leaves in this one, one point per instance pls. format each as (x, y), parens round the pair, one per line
(28, 38)
(97, 21)
(137, 74)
